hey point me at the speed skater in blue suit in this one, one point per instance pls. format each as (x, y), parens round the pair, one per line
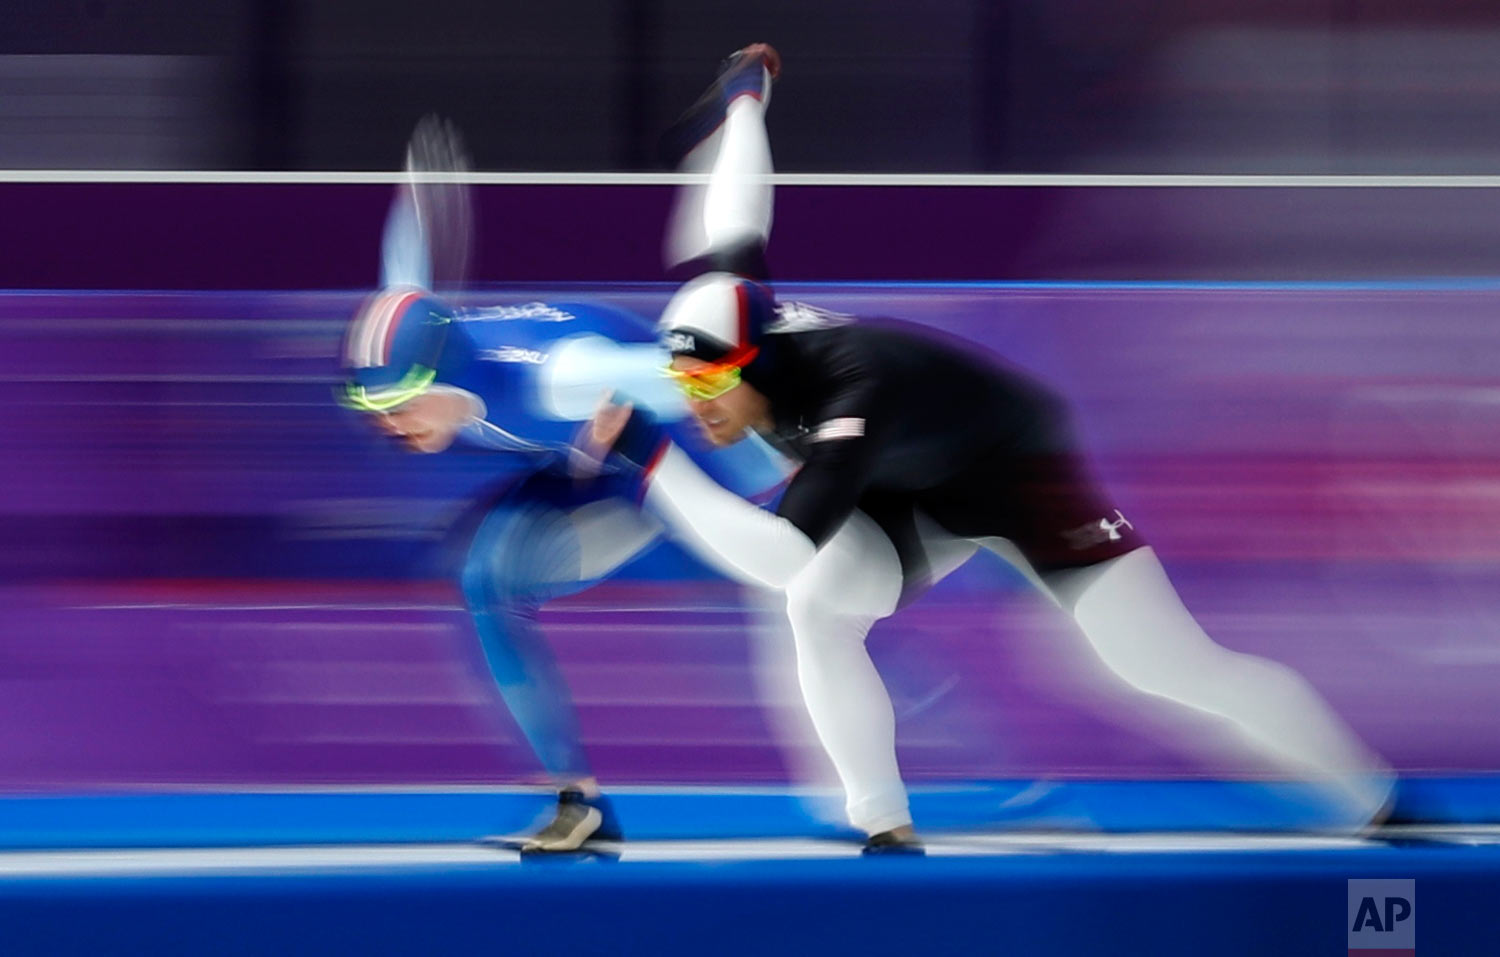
(516, 380)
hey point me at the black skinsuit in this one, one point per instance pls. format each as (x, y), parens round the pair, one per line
(893, 418)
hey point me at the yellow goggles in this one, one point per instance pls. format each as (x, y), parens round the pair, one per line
(706, 383)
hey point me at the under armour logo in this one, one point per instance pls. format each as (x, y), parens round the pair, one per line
(1113, 528)
(1097, 533)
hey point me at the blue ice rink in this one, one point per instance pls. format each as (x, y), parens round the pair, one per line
(392, 873)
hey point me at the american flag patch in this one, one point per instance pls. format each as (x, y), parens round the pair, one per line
(838, 429)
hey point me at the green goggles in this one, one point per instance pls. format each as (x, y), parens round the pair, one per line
(416, 381)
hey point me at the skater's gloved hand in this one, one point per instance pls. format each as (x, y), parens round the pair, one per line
(618, 432)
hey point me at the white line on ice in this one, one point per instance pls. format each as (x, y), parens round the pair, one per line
(240, 861)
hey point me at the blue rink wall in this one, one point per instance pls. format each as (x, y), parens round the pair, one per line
(705, 871)
(162, 818)
(1040, 893)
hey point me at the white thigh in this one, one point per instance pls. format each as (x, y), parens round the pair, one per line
(610, 532)
(855, 573)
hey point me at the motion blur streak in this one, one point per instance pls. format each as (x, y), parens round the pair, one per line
(215, 576)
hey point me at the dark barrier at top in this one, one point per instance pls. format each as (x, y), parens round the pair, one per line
(291, 236)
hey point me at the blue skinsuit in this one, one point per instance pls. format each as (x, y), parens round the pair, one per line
(540, 369)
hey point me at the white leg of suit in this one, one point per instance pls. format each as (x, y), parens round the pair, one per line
(610, 533)
(1130, 614)
(1133, 618)
(732, 205)
(853, 582)
(773, 658)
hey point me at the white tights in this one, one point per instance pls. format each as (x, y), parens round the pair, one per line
(852, 582)
(1130, 615)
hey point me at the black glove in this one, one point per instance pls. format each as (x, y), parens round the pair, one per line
(641, 441)
(634, 447)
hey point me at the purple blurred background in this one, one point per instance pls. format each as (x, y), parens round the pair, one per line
(215, 577)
